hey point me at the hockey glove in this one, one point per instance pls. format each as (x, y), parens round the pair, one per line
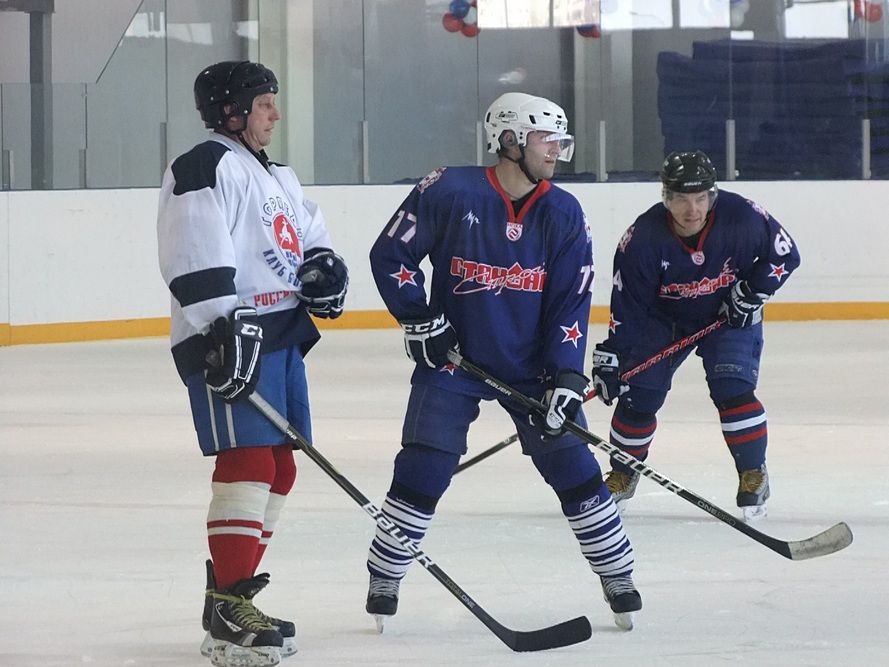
(324, 279)
(427, 341)
(563, 400)
(606, 375)
(743, 307)
(233, 360)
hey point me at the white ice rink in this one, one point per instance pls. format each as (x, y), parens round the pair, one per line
(103, 498)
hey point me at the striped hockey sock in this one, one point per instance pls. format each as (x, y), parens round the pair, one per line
(745, 430)
(600, 533)
(387, 558)
(632, 434)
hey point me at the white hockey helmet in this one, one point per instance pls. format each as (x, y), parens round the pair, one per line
(523, 113)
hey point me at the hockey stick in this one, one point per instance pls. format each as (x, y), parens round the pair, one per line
(563, 634)
(668, 351)
(826, 542)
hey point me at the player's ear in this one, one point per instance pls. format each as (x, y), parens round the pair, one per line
(508, 139)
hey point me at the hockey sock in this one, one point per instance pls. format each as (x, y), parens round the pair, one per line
(593, 517)
(285, 477)
(632, 431)
(241, 483)
(745, 430)
(387, 557)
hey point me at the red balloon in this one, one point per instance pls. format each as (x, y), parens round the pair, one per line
(451, 23)
(470, 29)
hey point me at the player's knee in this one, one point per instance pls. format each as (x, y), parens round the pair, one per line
(285, 469)
(731, 392)
(633, 415)
(422, 474)
(569, 469)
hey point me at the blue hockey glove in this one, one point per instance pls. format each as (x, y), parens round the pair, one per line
(324, 279)
(606, 375)
(427, 341)
(563, 400)
(743, 307)
(234, 356)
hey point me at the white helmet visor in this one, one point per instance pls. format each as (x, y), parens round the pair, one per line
(566, 144)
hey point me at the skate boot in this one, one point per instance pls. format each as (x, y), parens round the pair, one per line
(286, 628)
(241, 638)
(382, 599)
(623, 598)
(753, 491)
(622, 486)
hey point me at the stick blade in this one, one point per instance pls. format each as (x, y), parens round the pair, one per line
(827, 542)
(564, 634)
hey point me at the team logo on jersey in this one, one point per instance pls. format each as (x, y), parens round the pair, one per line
(613, 324)
(697, 257)
(429, 179)
(572, 333)
(778, 272)
(286, 237)
(480, 277)
(404, 276)
(471, 218)
(513, 231)
(625, 239)
(701, 287)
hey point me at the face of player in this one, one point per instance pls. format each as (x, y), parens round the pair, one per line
(261, 121)
(689, 211)
(540, 155)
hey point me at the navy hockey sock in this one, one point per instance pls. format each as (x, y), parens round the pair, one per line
(745, 430)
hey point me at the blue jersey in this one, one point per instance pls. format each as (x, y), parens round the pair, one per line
(659, 281)
(515, 287)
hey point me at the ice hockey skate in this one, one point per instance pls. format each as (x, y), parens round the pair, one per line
(382, 599)
(286, 628)
(239, 636)
(753, 491)
(622, 486)
(623, 598)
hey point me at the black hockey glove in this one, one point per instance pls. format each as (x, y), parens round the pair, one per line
(743, 307)
(606, 375)
(563, 400)
(233, 360)
(324, 279)
(427, 341)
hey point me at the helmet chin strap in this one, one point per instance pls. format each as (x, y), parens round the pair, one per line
(523, 166)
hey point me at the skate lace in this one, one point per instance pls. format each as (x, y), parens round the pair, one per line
(620, 482)
(384, 587)
(615, 586)
(245, 614)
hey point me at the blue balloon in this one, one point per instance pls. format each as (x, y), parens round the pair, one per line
(459, 8)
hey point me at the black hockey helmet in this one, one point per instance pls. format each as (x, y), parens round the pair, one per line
(231, 82)
(688, 172)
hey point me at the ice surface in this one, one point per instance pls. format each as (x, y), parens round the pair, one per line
(103, 498)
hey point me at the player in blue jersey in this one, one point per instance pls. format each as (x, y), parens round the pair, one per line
(512, 271)
(248, 260)
(700, 254)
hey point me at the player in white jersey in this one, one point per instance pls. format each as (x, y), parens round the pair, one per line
(248, 260)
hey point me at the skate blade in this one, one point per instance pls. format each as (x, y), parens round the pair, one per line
(289, 647)
(753, 513)
(207, 645)
(380, 620)
(624, 620)
(230, 655)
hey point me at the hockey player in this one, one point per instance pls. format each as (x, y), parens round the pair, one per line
(247, 259)
(698, 255)
(512, 271)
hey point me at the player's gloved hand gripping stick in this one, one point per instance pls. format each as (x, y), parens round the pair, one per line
(668, 351)
(826, 542)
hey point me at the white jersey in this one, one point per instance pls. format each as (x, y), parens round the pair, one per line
(233, 232)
